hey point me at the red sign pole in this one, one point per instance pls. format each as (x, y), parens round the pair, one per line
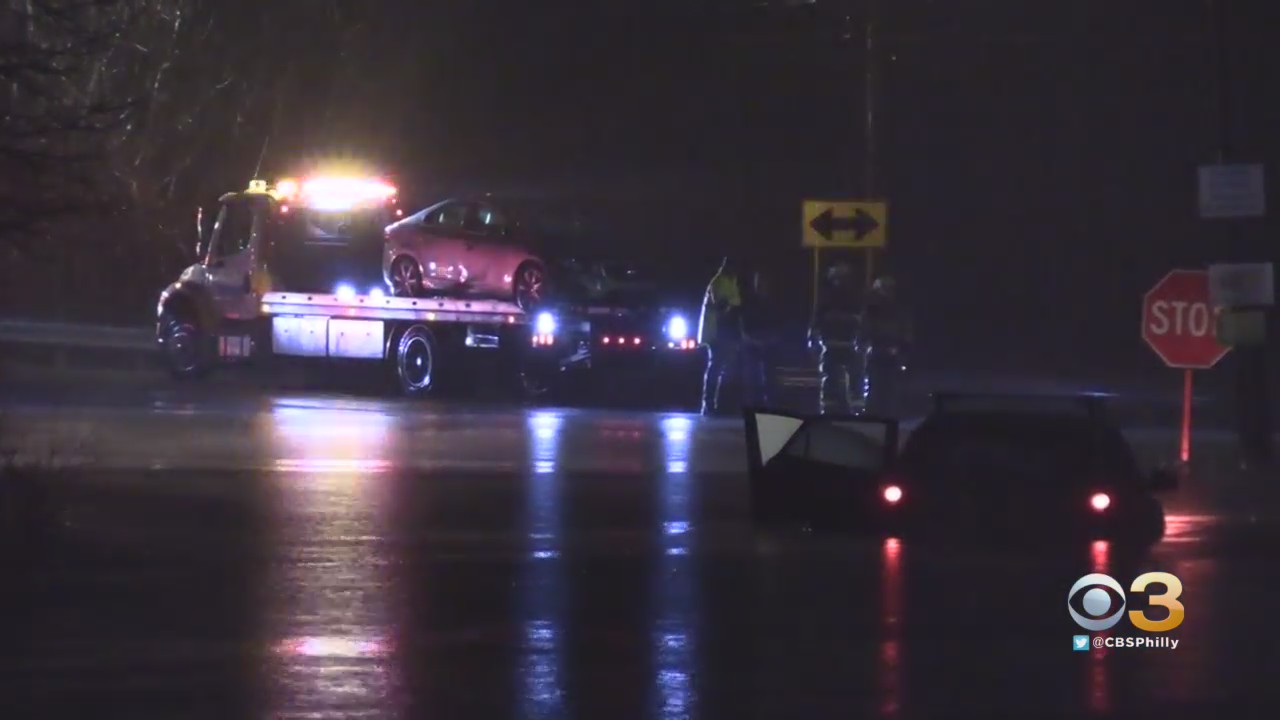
(1186, 415)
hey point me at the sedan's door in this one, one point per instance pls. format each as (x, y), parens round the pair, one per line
(486, 251)
(817, 470)
(441, 246)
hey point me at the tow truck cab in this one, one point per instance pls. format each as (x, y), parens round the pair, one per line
(294, 269)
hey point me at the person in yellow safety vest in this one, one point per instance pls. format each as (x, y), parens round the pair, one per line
(720, 331)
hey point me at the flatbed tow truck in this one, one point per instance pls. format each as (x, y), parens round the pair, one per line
(273, 279)
(264, 286)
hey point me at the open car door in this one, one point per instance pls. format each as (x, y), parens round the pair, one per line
(821, 472)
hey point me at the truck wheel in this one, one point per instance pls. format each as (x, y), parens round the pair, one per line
(416, 361)
(185, 347)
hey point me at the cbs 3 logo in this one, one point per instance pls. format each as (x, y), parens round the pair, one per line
(1097, 601)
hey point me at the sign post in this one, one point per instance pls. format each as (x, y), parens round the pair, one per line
(1179, 324)
(1184, 443)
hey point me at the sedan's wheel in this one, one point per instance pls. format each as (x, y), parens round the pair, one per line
(416, 361)
(529, 286)
(406, 277)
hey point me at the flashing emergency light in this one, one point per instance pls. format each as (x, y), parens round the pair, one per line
(334, 193)
(677, 328)
(345, 292)
(545, 324)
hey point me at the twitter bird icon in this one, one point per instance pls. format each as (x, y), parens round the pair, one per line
(1080, 643)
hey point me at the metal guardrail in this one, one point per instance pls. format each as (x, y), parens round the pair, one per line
(29, 332)
(62, 337)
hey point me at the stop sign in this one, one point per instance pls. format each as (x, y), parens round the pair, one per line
(1178, 321)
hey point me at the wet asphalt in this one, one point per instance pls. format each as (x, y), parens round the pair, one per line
(300, 555)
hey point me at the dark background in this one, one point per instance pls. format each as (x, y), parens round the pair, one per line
(1039, 157)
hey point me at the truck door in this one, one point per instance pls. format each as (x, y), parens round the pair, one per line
(229, 265)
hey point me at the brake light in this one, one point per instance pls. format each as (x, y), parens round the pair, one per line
(892, 494)
(1100, 501)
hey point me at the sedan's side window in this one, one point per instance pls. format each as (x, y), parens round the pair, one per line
(448, 218)
(491, 221)
(471, 220)
(854, 445)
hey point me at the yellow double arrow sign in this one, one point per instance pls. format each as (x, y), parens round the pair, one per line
(845, 223)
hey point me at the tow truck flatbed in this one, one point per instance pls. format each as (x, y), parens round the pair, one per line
(393, 308)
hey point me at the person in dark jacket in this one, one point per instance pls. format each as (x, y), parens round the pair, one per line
(834, 330)
(884, 339)
(759, 336)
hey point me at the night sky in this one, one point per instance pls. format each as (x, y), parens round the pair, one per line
(1039, 157)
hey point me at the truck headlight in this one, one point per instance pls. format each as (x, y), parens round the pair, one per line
(545, 324)
(677, 328)
(345, 292)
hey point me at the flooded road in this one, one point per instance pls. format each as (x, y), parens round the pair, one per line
(321, 557)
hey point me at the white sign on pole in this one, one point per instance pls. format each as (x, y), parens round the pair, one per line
(1232, 191)
(1242, 284)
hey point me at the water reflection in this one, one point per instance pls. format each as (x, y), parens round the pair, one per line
(676, 601)
(1186, 528)
(1190, 670)
(1098, 686)
(891, 643)
(675, 443)
(305, 439)
(544, 431)
(542, 596)
(334, 614)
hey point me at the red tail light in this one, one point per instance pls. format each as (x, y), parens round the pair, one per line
(1100, 501)
(892, 494)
